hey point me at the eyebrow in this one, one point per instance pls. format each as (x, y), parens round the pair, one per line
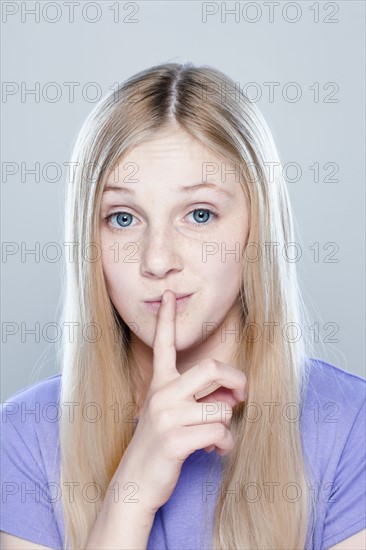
(182, 188)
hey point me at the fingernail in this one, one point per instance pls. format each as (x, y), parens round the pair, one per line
(165, 297)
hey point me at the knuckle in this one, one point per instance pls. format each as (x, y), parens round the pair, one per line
(163, 421)
(155, 401)
(156, 347)
(219, 431)
(243, 379)
(209, 367)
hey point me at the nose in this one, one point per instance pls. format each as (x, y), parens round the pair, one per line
(159, 253)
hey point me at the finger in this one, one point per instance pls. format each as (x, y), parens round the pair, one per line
(193, 414)
(202, 437)
(204, 379)
(209, 449)
(164, 352)
(221, 394)
(207, 391)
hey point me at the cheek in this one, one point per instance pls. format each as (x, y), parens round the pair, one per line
(119, 281)
(119, 258)
(223, 267)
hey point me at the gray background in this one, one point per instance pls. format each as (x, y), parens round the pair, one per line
(311, 130)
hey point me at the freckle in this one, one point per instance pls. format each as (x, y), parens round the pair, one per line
(183, 316)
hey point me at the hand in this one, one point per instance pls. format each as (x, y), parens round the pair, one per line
(172, 423)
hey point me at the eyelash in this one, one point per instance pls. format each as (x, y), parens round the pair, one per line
(215, 216)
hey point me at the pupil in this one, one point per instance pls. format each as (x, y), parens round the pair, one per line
(122, 217)
(201, 214)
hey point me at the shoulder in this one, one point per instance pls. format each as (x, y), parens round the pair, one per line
(41, 391)
(332, 395)
(332, 401)
(327, 380)
(332, 416)
(29, 418)
(333, 424)
(30, 458)
(32, 402)
(333, 419)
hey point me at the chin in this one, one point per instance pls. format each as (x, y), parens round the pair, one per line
(185, 343)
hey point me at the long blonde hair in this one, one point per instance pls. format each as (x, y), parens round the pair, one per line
(96, 365)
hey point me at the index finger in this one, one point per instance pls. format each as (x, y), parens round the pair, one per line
(164, 352)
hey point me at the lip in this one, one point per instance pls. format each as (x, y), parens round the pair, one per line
(178, 295)
(181, 301)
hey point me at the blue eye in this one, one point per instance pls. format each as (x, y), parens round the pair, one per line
(121, 217)
(204, 211)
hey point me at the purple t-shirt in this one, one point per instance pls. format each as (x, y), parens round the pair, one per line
(333, 428)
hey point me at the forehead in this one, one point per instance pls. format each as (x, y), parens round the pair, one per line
(171, 144)
(173, 155)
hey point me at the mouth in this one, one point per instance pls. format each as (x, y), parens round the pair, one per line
(181, 300)
(178, 296)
